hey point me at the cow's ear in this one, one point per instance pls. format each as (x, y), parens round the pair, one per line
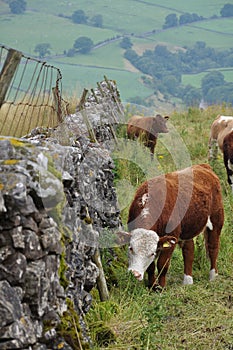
(122, 237)
(166, 117)
(166, 242)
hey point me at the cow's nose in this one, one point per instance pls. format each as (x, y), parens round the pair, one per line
(136, 274)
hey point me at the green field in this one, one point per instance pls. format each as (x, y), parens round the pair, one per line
(195, 79)
(42, 23)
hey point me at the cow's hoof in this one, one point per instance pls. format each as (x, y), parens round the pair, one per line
(188, 280)
(213, 275)
(156, 288)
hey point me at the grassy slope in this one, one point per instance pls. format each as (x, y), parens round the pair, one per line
(41, 24)
(195, 79)
(208, 31)
(181, 317)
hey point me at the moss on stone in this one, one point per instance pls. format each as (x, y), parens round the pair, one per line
(51, 168)
(10, 161)
(70, 330)
(16, 142)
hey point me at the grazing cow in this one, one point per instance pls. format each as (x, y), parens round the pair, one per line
(228, 157)
(221, 126)
(147, 129)
(221, 137)
(171, 209)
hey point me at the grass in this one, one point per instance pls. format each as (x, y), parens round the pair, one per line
(88, 76)
(43, 115)
(181, 317)
(119, 18)
(189, 35)
(195, 79)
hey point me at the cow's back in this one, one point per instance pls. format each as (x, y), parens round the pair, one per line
(221, 126)
(139, 123)
(180, 201)
(132, 126)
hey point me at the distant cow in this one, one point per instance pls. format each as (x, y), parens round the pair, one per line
(173, 208)
(221, 137)
(221, 126)
(228, 157)
(147, 129)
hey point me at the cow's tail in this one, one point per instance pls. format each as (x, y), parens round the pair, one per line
(207, 233)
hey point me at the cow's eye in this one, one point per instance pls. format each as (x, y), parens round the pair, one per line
(153, 254)
(131, 249)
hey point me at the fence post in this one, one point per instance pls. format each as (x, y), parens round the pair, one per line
(8, 70)
(57, 102)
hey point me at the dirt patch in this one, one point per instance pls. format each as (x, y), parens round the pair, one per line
(140, 48)
(130, 67)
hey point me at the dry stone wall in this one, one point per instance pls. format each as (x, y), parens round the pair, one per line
(56, 199)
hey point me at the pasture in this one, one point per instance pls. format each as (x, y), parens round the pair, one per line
(43, 23)
(195, 79)
(217, 33)
(180, 317)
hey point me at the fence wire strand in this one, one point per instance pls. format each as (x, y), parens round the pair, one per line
(30, 100)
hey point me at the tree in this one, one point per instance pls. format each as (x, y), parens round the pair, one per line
(170, 21)
(126, 43)
(227, 10)
(131, 56)
(97, 21)
(219, 94)
(171, 84)
(185, 18)
(192, 97)
(42, 49)
(211, 80)
(79, 17)
(83, 44)
(17, 6)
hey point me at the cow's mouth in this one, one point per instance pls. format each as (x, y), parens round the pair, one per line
(137, 275)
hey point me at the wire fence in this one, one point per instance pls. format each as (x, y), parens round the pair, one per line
(30, 94)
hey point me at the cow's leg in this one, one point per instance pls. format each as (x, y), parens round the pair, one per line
(229, 170)
(151, 275)
(163, 265)
(188, 257)
(230, 177)
(152, 149)
(212, 241)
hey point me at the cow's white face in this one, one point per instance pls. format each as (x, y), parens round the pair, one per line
(142, 251)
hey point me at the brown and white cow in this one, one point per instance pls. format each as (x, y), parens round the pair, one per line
(173, 208)
(221, 137)
(221, 126)
(146, 129)
(228, 157)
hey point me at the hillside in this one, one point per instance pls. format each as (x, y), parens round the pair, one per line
(141, 21)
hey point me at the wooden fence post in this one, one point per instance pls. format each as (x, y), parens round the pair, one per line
(57, 102)
(8, 70)
(101, 281)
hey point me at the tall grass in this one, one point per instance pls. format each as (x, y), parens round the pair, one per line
(180, 317)
(18, 120)
(20, 117)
